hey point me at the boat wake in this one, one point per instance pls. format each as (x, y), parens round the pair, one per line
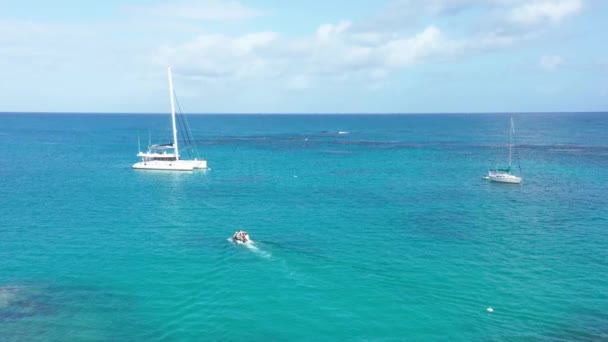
(250, 245)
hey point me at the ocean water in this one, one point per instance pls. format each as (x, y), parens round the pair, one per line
(366, 228)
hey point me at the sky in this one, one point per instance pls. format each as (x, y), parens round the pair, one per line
(277, 56)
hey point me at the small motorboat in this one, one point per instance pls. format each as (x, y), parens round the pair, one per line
(241, 236)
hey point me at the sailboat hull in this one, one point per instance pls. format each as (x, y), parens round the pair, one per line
(504, 178)
(176, 165)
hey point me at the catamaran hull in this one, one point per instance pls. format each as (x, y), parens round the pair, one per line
(180, 165)
(165, 157)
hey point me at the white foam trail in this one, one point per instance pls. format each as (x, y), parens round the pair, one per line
(252, 247)
(343, 132)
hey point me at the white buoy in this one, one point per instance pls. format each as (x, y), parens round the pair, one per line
(490, 310)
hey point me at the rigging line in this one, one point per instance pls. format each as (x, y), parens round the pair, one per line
(184, 139)
(180, 120)
(518, 162)
(188, 132)
(516, 152)
(186, 129)
(190, 135)
(185, 149)
(187, 138)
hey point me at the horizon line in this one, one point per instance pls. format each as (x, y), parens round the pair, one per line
(306, 113)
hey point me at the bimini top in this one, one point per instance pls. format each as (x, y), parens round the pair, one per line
(161, 146)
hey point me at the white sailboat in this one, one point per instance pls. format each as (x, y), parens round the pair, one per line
(503, 175)
(166, 156)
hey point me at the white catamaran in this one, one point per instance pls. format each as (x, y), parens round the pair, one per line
(166, 156)
(504, 175)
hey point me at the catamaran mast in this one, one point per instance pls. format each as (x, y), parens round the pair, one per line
(173, 114)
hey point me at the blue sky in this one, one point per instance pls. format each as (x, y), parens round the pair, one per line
(405, 56)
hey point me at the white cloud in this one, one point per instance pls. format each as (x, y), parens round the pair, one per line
(551, 62)
(299, 82)
(212, 10)
(498, 15)
(248, 43)
(327, 32)
(218, 55)
(539, 12)
(452, 7)
(496, 40)
(11, 27)
(407, 51)
(378, 73)
(332, 52)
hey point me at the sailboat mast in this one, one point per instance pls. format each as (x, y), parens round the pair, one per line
(510, 141)
(171, 95)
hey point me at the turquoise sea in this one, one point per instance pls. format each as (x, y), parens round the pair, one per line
(366, 228)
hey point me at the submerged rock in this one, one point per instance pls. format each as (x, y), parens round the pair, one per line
(18, 302)
(8, 295)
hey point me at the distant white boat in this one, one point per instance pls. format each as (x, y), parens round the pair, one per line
(504, 175)
(241, 236)
(166, 156)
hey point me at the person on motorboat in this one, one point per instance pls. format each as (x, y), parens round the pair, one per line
(241, 236)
